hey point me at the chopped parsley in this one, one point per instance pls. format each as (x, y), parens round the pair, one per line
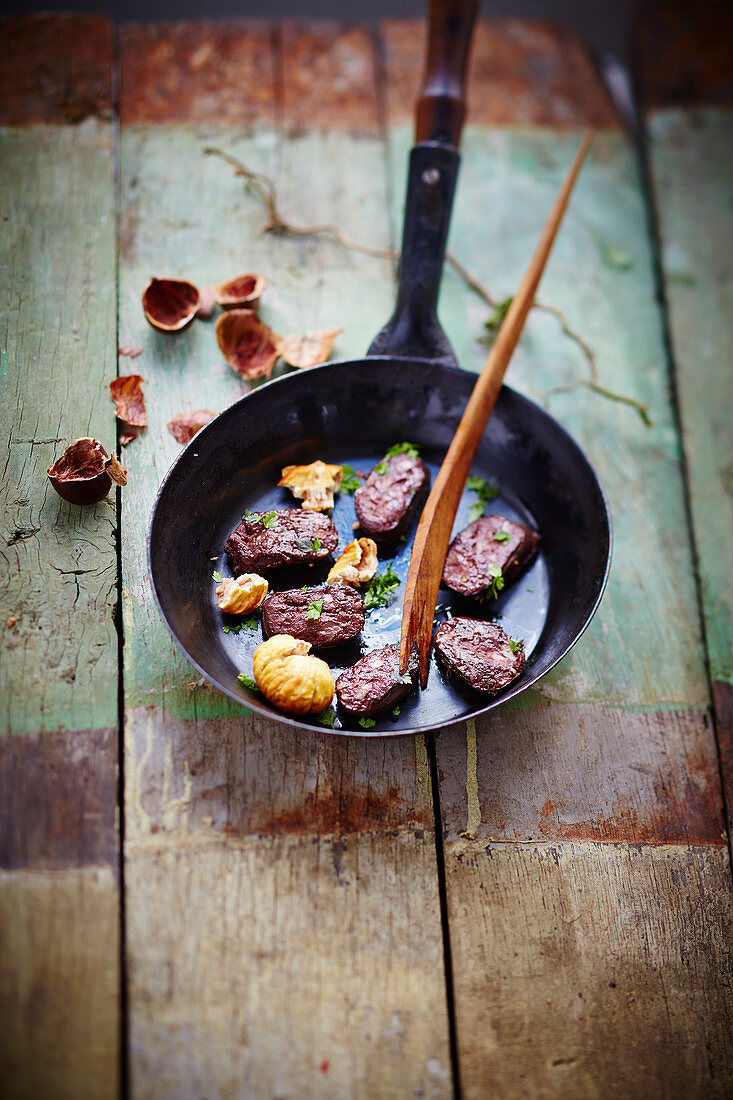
(484, 490)
(381, 589)
(515, 644)
(315, 607)
(350, 481)
(326, 717)
(247, 681)
(217, 576)
(308, 544)
(232, 628)
(496, 583)
(501, 536)
(367, 723)
(395, 713)
(251, 624)
(267, 519)
(396, 449)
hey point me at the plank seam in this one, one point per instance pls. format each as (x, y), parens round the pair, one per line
(444, 918)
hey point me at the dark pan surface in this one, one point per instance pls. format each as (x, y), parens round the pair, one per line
(351, 413)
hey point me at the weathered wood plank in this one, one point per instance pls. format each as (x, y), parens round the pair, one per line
(59, 984)
(687, 96)
(592, 970)
(569, 771)
(59, 972)
(304, 956)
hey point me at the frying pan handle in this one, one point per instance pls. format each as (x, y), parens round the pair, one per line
(441, 107)
(414, 331)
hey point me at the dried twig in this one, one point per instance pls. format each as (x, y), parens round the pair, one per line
(257, 183)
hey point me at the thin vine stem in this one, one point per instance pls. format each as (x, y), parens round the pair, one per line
(260, 185)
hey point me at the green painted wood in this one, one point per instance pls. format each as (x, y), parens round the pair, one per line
(592, 970)
(59, 895)
(691, 163)
(306, 958)
(59, 661)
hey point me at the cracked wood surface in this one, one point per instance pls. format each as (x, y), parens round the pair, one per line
(59, 896)
(282, 905)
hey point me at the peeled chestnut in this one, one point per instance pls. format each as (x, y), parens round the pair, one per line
(241, 292)
(170, 304)
(85, 472)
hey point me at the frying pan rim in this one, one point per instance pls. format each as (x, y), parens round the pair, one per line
(495, 701)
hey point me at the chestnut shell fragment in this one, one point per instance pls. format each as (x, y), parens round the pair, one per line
(85, 472)
(241, 292)
(246, 343)
(170, 304)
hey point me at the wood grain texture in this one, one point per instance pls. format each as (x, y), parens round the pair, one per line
(282, 894)
(574, 771)
(59, 984)
(56, 68)
(592, 970)
(691, 165)
(521, 73)
(59, 898)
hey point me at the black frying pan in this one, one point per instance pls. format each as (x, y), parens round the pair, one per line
(409, 387)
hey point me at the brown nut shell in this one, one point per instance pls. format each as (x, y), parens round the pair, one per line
(241, 292)
(247, 344)
(84, 473)
(170, 304)
(183, 426)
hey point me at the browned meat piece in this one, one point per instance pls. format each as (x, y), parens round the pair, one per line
(327, 615)
(479, 653)
(386, 502)
(289, 536)
(374, 684)
(490, 541)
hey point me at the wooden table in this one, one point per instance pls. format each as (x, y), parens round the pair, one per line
(197, 902)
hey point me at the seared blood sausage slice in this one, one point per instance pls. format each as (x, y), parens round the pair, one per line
(386, 502)
(492, 540)
(374, 684)
(267, 540)
(339, 618)
(479, 653)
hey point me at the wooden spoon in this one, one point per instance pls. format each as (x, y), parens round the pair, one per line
(436, 523)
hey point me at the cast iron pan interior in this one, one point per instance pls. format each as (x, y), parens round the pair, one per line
(351, 413)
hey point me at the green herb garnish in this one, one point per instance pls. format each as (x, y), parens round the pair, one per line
(247, 682)
(326, 718)
(484, 490)
(315, 607)
(267, 519)
(405, 678)
(350, 481)
(367, 723)
(308, 544)
(396, 449)
(316, 545)
(496, 583)
(217, 576)
(516, 644)
(501, 536)
(395, 713)
(252, 623)
(232, 628)
(381, 588)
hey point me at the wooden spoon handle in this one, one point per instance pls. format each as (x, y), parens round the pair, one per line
(436, 523)
(441, 107)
